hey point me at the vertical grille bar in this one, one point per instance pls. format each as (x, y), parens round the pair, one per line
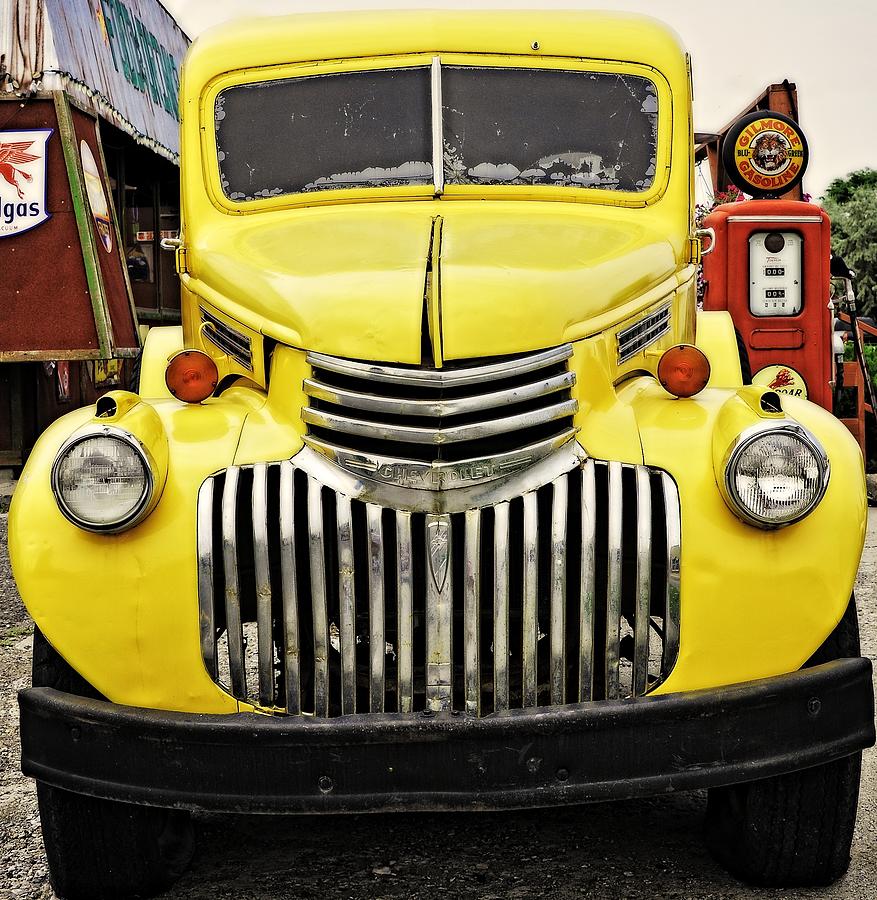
(263, 585)
(530, 624)
(471, 611)
(613, 589)
(316, 555)
(347, 604)
(405, 605)
(501, 607)
(588, 586)
(671, 603)
(288, 576)
(439, 614)
(643, 581)
(558, 591)
(232, 584)
(206, 615)
(377, 637)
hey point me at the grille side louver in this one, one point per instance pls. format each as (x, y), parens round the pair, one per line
(643, 333)
(228, 339)
(319, 602)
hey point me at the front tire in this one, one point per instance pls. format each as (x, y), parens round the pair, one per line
(792, 830)
(103, 849)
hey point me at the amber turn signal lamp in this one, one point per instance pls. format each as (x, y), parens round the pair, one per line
(684, 370)
(191, 376)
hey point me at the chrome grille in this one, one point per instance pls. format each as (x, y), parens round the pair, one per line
(318, 600)
(643, 333)
(465, 412)
(231, 341)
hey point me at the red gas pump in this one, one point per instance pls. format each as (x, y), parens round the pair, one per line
(769, 267)
(768, 263)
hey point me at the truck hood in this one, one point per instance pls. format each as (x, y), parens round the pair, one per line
(350, 280)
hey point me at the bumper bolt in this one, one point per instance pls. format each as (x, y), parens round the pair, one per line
(562, 774)
(813, 706)
(325, 784)
(427, 714)
(75, 733)
(534, 764)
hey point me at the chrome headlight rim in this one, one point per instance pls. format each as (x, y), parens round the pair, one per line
(144, 502)
(744, 440)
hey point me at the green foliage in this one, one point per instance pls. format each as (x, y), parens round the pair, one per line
(870, 351)
(841, 190)
(851, 203)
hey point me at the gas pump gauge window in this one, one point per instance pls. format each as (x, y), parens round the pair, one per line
(775, 273)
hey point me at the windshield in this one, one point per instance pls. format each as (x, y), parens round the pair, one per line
(498, 126)
(537, 126)
(327, 131)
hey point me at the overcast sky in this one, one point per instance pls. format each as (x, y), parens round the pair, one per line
(829, 49)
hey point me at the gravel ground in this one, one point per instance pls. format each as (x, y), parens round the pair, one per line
(643, 849)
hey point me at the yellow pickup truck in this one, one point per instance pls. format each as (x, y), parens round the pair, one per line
(445, 496)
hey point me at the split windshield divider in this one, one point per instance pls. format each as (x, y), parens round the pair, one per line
(438, 166)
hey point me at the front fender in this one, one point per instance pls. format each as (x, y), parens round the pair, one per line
(121, 608)
(754, 603)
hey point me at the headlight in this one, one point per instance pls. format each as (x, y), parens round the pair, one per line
(776, 475)
(103, 480)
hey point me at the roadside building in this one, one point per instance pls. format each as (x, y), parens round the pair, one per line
(89, 187)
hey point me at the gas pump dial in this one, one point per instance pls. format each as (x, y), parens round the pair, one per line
(775, 273)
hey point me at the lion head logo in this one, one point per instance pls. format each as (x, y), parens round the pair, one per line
(770, 153)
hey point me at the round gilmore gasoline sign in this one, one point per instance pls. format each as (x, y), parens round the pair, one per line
(765, 154)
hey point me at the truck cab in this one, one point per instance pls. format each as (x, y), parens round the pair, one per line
(445, 494)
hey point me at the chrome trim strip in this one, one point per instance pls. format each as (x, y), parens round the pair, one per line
(263, 584)
(438, 155)
(501, 606)
(234, 627)
(557, 629)
(793, 220)
(471, 612)
(405, 614)
(437, 436)
(346, 603)
(439, 616)
(317, 559)
(206, 599)
(369, 490)
(289, 582)
(672, 606)
(438, 475)
(613, 587)
(377, 634)
(530, 620)
(588, 599)
(400, 406)
(643, 582)
(442, 377)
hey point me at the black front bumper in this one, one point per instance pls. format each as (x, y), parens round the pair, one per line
(590, 751)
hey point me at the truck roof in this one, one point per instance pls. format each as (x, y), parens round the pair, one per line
(278, 40)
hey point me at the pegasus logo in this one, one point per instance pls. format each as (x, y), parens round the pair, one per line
(12, 155)
(23, 170)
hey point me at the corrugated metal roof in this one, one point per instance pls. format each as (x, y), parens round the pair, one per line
(121, 57)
